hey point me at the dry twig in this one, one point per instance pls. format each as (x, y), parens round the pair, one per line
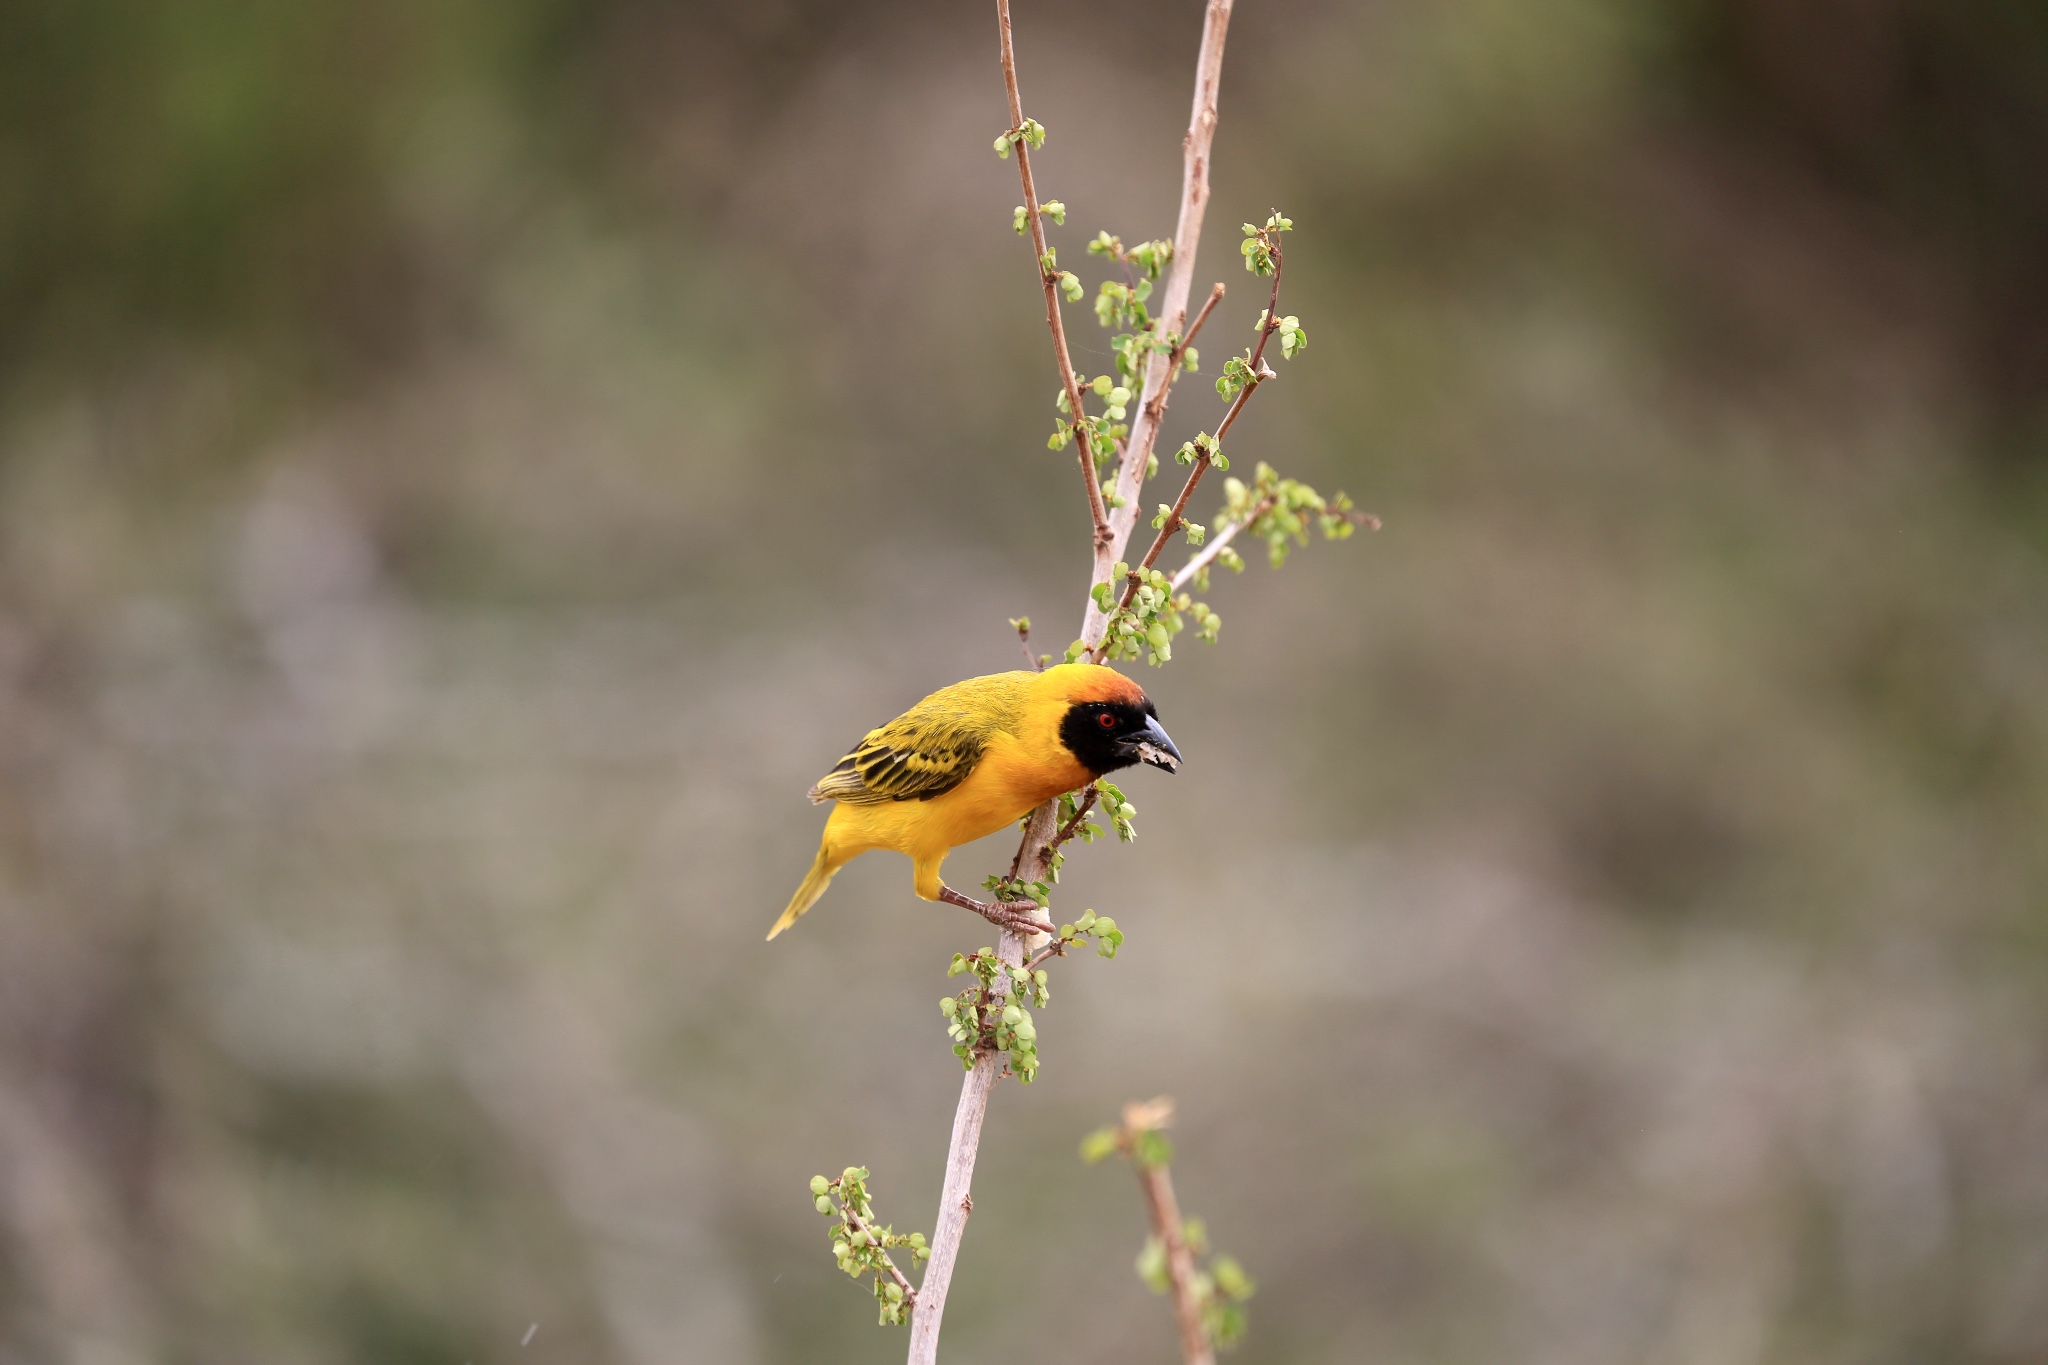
(1049, 280)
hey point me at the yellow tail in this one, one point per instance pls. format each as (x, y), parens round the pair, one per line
(820, 876)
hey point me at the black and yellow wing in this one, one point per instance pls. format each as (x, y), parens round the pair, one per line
(925, 752)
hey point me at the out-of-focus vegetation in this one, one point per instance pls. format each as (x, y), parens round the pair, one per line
(466, 468)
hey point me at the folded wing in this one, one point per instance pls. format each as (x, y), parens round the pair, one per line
(925, 752)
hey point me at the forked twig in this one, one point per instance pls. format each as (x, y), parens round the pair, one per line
(1175, 517)
(1173, 308)
(1107, 541)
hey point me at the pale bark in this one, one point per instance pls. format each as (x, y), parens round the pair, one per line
(1172, 313)
(955, 1196)
(955, 1199)
(1180, 1265)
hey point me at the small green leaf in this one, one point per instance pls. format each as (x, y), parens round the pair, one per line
(1151, 1265)
(1230, 1278)
(1098, 1144)
(1150, 1150)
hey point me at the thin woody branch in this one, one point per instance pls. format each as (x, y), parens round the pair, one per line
(1056, 948)
(1175, 517)
(1181, 347)
(854, 1221)
(1040, 840)
(1049, 281)
(1163, 1211)
(1068, 830)
(1161, 370)
(1218, 543)
(1031, 661)
(1208, 553)
(955, 1198)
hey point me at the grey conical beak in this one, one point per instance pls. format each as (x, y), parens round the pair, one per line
(1156, 747)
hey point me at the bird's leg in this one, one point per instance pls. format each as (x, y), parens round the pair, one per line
(1019, 917)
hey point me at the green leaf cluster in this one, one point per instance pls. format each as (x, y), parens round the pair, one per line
(995, 1014)
(860, 1244)
(1262, 241)
(1109, 800)
(1031, 134)
(1016, 889)
(1051, 208)
(1237, 376)
(1220, 1287)
(1155, 614)
(1104, 430)
(1282, 512)
(1293, 339)
(1120, 305)
(1203, 447)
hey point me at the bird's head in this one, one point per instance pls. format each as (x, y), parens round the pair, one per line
(1109, 722)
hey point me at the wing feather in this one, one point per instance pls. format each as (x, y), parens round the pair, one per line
(925, 752)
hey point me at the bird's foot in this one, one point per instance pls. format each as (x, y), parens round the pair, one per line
(1019, 917)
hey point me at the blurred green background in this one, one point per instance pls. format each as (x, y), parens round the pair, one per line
(466, 467)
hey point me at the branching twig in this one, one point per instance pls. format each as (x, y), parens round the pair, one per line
(1068, 830)
(1056, 948)
(1180, 348)
(854, 1221)
(1050, 280)
(1108, 539)
(1215, 547)
(1173, 522)
(1208, 553)
(1173, 308)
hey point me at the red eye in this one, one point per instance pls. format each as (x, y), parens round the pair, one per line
(1106, 721)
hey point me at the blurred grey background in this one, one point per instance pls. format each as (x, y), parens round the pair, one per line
(467, 465)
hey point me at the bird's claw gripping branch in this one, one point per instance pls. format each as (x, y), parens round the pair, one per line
(1019, 917)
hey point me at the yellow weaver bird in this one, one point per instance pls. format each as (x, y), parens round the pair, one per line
(972, 758)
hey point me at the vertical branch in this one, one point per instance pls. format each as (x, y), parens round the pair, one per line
(1049, 280)
(1164, 1212)
(955, 1196)
(1173, 306)
(1034, 855)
